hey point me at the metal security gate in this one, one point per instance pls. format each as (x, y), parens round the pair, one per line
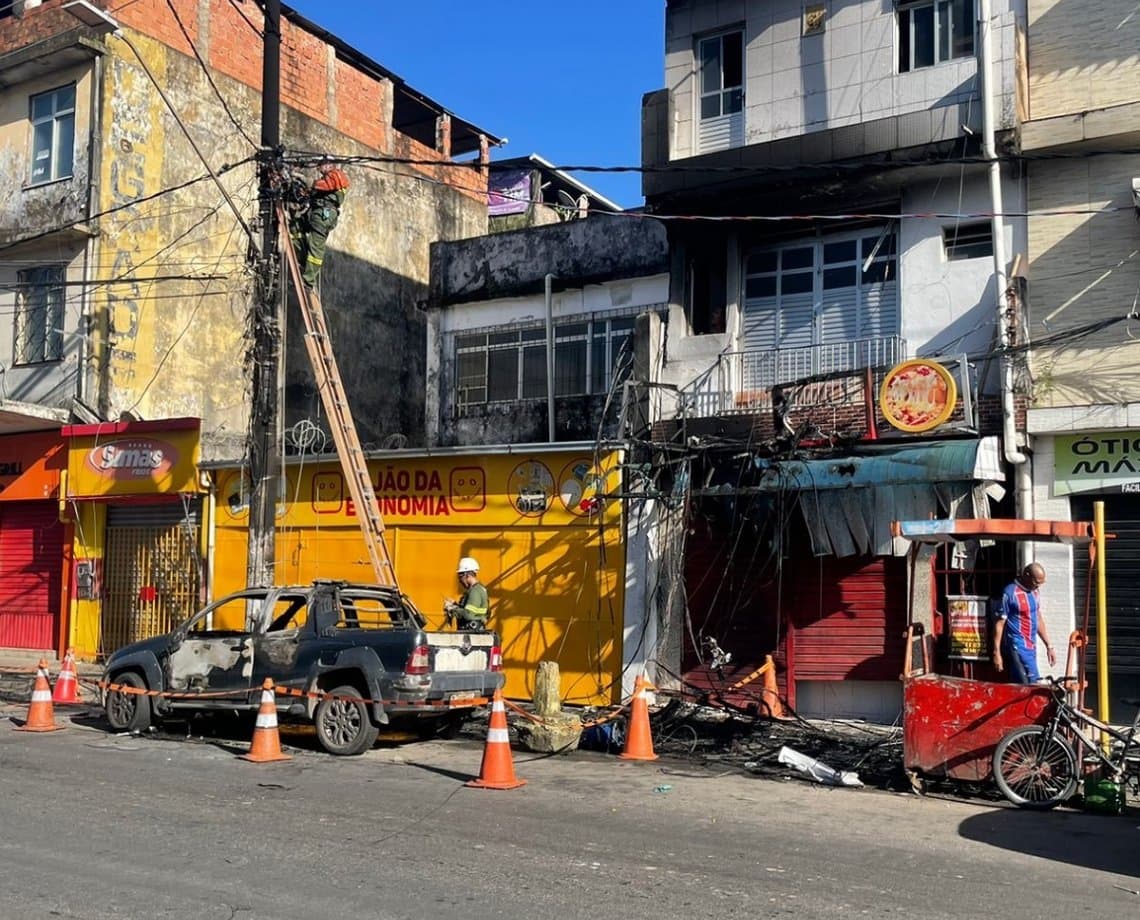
(849, 618)
(31, 562)
(151, 571)
(1121, 518)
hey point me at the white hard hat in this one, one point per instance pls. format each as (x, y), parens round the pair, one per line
(467, 564)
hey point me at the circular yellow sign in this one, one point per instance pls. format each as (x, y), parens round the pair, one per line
(918, 395)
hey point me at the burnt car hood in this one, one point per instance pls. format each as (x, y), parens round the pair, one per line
(159, 646)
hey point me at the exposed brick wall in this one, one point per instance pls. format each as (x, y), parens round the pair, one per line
(35, 25)
(340, 95)
(304, 72)
(360, 106)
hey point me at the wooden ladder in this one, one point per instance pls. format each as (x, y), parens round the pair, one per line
(343, 427)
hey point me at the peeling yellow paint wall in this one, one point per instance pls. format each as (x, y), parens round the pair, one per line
(555, 577)
(172, 328)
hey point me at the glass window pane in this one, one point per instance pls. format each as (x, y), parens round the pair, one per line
(882, 250)
(878, 272)
(799, 283)
(710, 106)
(571, 330)
(943, 30)
(65, 99)
(618, 325)
(471, 341)
(839, 277)
(733, 101)
(964, 17)
(41, 152)
(922, 36)
(733, 45)
(710, 65)
(760, 287)
(503, 374)
(904, 41)
(839, 252)
(599, 365)
(534, 372)
(534, 335)
(66, 150)
(803, 257)
(41, 106)
(503, 338)
(570, 369)
(761, 262)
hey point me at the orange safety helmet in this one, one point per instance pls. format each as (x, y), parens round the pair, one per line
(331, 180)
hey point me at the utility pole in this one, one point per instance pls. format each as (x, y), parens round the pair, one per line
(264, 450)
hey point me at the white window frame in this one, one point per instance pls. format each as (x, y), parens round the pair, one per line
(939, 54)
(723, 93)
(873, 256)
(39, 315)
(603, 344)
(960, 241)
(52, 135)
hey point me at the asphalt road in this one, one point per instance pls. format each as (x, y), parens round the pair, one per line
(96, 826)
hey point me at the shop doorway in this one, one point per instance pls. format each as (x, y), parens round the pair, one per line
(152, 571)
(31, 554)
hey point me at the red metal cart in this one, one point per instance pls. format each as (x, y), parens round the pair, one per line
(952, 724)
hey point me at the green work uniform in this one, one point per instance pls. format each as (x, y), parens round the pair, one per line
(317, 224)
(474, 608)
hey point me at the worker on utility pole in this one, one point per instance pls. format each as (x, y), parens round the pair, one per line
(311, 228)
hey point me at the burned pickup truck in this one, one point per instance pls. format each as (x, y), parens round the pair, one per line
(360, 655)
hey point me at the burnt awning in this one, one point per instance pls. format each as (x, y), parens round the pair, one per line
(849, 502)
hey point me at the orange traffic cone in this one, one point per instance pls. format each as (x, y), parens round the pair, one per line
(638, 740)
(41, 717)
(497, 770)
(770, 693)
(266, 746)
(66, 689)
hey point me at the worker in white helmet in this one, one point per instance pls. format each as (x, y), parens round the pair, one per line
(473, 608)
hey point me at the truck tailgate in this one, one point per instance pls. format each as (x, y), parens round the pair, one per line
(460, 651)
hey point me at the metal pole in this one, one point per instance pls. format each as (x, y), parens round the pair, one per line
(1101, 615)
(264, 450)
(549, 286)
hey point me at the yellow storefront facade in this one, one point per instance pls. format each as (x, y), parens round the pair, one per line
(133, 496)
(548, 541)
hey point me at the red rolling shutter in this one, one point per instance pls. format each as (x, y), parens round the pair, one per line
(848, 618)
(31, 560)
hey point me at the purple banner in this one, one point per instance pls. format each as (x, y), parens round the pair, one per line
(508, 192)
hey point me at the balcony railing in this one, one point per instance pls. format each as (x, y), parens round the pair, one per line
(742, 381)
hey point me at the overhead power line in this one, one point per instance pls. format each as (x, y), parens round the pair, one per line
(315, 158)
(134, 202)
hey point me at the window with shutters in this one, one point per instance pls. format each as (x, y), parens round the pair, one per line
(720, 106)
(820, 306)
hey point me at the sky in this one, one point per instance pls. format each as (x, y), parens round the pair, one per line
(564, 81)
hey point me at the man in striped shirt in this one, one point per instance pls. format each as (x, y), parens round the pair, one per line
(1019, 624)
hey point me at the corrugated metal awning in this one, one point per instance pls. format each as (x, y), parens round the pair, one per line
(850, 502)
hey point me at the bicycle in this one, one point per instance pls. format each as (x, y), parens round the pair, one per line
(1037, 766)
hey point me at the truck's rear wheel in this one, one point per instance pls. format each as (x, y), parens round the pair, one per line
(343, 725)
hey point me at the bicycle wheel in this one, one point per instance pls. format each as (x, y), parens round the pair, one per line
(1032, 773)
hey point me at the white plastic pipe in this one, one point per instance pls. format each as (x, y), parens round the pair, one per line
(1023, 481)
